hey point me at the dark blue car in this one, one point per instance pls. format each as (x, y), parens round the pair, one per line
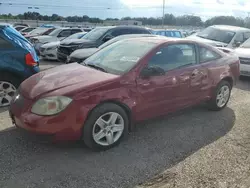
(18, 61)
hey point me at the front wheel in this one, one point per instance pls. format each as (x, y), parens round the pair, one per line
(8, 88)
(221, 96)
(105, 127)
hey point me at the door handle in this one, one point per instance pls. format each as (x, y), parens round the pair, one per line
(146, 84)
(194, 73)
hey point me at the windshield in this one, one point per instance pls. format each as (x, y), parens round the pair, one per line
(54, 32)
(95, 33)
(111, 42)
(212, 33)
(76, 36)
(120, 57)
(38, 30)
(28, 29)
(49, 31)
(246, 44)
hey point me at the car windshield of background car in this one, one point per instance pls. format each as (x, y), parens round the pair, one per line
(219, 35)
(246, 44)
(38, 30)
(120, 57)
(54, 32)
(48, 31)
(95, 34)
(28, 29)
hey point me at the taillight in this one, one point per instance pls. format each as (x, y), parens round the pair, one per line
(29, 60)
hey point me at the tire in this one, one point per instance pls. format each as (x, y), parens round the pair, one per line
(213, 103)
(91, 128)
(8, 79)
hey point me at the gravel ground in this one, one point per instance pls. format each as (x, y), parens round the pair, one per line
(191, 148)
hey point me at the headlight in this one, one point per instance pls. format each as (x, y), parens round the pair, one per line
(50, 105)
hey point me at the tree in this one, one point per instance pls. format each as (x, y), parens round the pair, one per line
(169, 19)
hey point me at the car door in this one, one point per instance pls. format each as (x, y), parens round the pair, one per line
(171, 90)
(189, 73)
(207, 59)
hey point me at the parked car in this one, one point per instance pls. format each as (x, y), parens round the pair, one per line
(39, 31)
(18, 28)
(26, 30)
(18, 61)
(49, 50)
(56, 35)
(97, 37)
(169, 33)
(244, 55)
(20, 24)
(223, 36)
(128, 81)
(82, 54)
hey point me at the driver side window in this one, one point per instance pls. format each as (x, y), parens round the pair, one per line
(174, 56)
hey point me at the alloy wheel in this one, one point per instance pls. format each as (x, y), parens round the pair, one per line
(223, 96)
(108, 128)
(7, 92)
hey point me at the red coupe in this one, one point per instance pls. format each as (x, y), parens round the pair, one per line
(131, 80)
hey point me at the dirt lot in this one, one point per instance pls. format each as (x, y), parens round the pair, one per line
(192, 148)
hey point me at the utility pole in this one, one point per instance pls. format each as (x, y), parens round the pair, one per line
(163, 13)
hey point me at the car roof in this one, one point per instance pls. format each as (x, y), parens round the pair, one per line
(230, 27)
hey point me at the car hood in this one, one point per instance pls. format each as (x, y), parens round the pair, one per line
(78, 42)
(207, 41)
(46, 38)
(64, 80)
(243, 52)
(83, 53)
(51, 44)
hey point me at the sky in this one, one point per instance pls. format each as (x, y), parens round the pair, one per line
(133, 8)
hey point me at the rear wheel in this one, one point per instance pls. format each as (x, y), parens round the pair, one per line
(8, 87)
(221, 96)
(105, 127)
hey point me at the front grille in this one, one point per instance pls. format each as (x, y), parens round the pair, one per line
(245, 61)
(64, 50)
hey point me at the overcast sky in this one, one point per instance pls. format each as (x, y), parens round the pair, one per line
(133, 8)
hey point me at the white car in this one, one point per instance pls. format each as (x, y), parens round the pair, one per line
(56, 35)
(49, 50)
(243, 53)
(222, 36)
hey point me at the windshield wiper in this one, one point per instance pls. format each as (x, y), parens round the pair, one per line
(95, 67)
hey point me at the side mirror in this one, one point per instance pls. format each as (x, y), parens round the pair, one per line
(152, 71)
(237, 43)
(107, 38)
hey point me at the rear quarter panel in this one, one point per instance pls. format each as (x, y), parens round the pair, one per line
(226, 67)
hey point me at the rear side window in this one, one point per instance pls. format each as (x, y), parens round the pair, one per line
(139, 31)
(207, 55)
(73, 31)
(127, 31)
(4, 44)
(246, 35)
(65, 33)
(119, 32)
